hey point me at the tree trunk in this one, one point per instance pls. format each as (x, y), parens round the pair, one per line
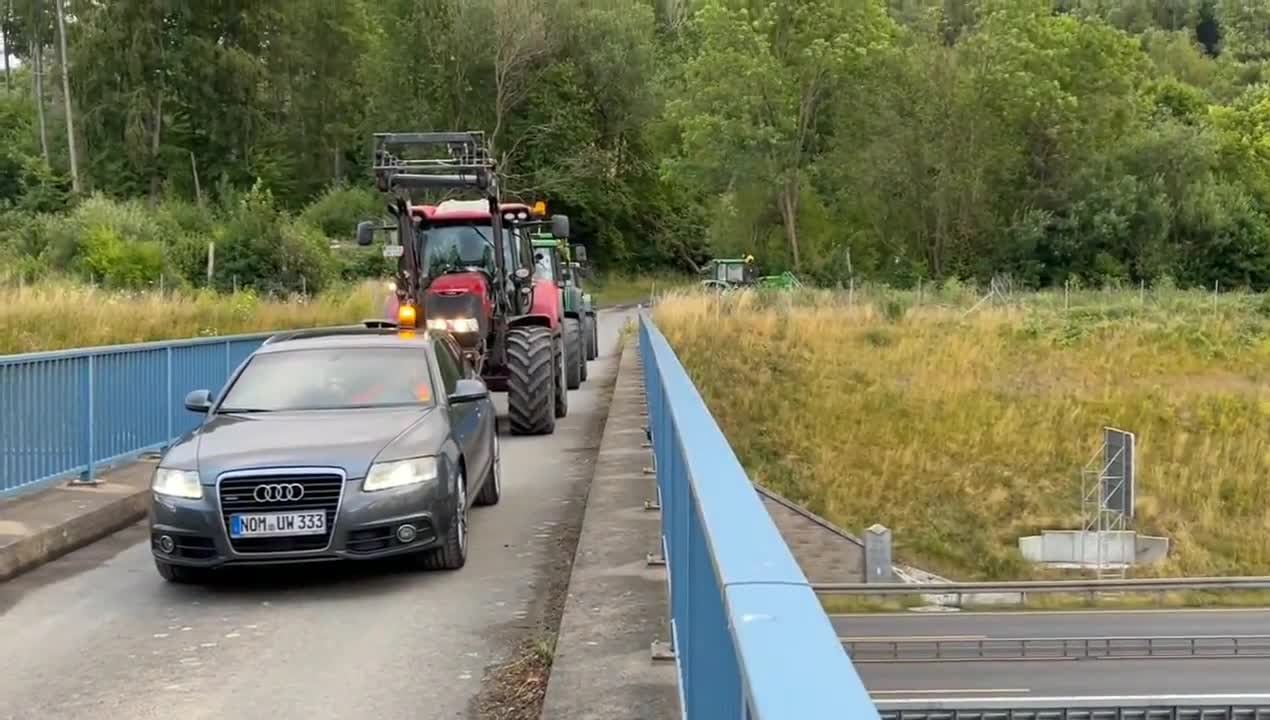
(4, 40)
(789, 214)
(66, 92)
(156, 172)
(37, 77)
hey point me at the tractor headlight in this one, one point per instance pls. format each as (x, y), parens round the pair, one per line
(454, 325)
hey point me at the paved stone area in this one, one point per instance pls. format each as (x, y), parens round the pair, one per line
(826, 553)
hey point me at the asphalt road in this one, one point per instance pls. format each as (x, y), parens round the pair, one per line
(98, 634)
(1065, 678)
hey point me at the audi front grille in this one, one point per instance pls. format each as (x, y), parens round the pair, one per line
(268, 493)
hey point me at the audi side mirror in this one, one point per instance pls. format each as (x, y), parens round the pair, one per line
(468, 390)
(199, 401)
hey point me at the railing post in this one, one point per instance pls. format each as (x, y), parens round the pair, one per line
(171, 399)
(86, 478)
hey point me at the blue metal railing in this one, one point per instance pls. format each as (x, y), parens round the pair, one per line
(750, 638)
(74, 411)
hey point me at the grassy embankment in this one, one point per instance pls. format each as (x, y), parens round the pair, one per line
(57, 316)
(964, 432)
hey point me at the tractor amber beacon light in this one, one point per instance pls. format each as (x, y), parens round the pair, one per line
(406, 316)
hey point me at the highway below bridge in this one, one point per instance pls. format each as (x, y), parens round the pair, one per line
(99, 634)
(1023, 678)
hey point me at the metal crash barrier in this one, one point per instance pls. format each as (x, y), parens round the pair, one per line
(1163, 707)
(74, 411)
(1057, 648)
(749, 636)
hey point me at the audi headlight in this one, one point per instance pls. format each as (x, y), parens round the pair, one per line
(177, 483)
(385, 475)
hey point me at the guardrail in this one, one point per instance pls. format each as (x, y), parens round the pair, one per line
(1023, 588)
(1163, 707)
(1055, 648)
(74, 411)
(749, 636)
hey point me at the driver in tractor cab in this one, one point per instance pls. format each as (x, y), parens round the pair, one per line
(542, 265)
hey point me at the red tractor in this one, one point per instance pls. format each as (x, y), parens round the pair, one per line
(461, 268)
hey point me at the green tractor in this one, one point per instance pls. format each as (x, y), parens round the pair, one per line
(577, 296)
(552, 261)
(731, 273)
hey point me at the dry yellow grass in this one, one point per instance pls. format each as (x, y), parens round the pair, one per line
(964, 433)
(53, 317)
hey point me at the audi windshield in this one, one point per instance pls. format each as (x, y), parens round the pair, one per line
(331, 379)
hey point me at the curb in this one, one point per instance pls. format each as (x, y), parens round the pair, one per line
(808, 514)
(603, 667)
(53, 542)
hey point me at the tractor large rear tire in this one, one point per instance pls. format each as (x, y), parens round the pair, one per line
(592, 338)
(574, 354)
(531, 391)
(562, 392)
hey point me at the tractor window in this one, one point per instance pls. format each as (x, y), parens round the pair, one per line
(735, 272)
(446, 248)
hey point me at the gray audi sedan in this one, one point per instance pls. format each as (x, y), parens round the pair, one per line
(351, 444)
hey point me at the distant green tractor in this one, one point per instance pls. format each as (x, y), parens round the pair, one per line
(552, 260)
(731, 273)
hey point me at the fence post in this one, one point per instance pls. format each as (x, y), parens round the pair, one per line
(877, 555)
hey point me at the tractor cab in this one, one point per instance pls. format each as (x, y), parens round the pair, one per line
(730, 272)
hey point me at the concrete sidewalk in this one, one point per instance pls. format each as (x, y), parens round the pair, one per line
(45, 524)
(616, 607)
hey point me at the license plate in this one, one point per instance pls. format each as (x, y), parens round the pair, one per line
(276, 524)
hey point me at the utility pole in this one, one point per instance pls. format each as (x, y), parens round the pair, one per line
(66, 90)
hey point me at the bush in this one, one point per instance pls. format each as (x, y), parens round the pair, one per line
(128, 245)
(338, 210)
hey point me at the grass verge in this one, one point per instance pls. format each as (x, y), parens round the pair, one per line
(59, 316)
(963, 431)
(623, 289)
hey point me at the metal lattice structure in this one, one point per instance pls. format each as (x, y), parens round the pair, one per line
(1107, 498)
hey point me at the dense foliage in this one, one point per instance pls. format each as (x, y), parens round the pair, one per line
(1096, 141)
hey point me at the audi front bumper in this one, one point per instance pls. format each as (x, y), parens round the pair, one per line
(361, 526)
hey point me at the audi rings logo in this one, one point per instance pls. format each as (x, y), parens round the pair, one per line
(280, 492)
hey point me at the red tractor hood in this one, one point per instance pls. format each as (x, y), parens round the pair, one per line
(460, 282)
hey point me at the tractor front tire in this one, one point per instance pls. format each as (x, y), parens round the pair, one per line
(531, 382)
(574, 354)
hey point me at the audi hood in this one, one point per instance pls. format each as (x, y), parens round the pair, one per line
(347, 439)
